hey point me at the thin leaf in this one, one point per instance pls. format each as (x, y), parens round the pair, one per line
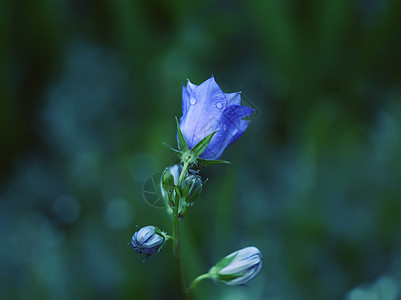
(210, 162)
(200, 147)
(182, 144)
(175, 150)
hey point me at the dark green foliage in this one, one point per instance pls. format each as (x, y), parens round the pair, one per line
(88, 90)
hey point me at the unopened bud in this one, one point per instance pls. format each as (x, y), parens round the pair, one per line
(148, 240)
(167, 180)
(239, 267)
(191, 188)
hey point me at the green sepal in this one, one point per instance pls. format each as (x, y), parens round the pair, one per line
(211, 162)
(200, 147)
(224, 262)
(182, 144)
(168, 180)
(164, 235)
(185, 191)
(192, 198)
(228, 277)
(191, 188)
(182, 213)
(177, 152)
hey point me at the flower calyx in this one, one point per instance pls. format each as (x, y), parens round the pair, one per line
(191, 157)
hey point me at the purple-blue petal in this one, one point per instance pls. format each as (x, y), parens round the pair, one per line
(206, 108)
(190, 86)
(206, 103)
(233, 98)
(185, 100)
(186, 93)
(231, 127)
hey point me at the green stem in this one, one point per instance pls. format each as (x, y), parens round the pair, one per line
(170, 237)
(197, 280)
(182, 175)
(176, 233)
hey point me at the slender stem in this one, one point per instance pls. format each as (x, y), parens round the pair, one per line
(176, 233)
(170, 237)
(197, 280)
(182, 175)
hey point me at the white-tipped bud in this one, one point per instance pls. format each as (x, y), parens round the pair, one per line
(169, 180)
(148, 240)
(239, 267)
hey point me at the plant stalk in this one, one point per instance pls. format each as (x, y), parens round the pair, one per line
(197, 280)
(176, 232)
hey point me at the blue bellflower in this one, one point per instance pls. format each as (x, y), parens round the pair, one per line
(147, 240)
(205, 109)
(244, 267)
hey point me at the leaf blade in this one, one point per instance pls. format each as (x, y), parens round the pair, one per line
(177, 152)
(182, 144)
(211, 162)
(200, 147)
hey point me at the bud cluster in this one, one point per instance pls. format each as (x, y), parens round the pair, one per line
(185, 195)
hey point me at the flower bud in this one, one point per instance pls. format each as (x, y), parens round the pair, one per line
(167, 180)
(239, 267)
(191, 188)
(148, 240)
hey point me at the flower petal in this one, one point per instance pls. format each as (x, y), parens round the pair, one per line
(155, 241)
(207, 102)
(185, 100)
(231, 128)
(233, 98)
(190, 86)
(207, 109)
(186, 94)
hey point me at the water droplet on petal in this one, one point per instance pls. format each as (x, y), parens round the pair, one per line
(219, 105)
(192, 100)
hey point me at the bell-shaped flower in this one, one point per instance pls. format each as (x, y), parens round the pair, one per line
(239, 267)
(206, 109)
(148, 240)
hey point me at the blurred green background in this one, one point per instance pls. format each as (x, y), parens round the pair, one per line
(89, 91)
